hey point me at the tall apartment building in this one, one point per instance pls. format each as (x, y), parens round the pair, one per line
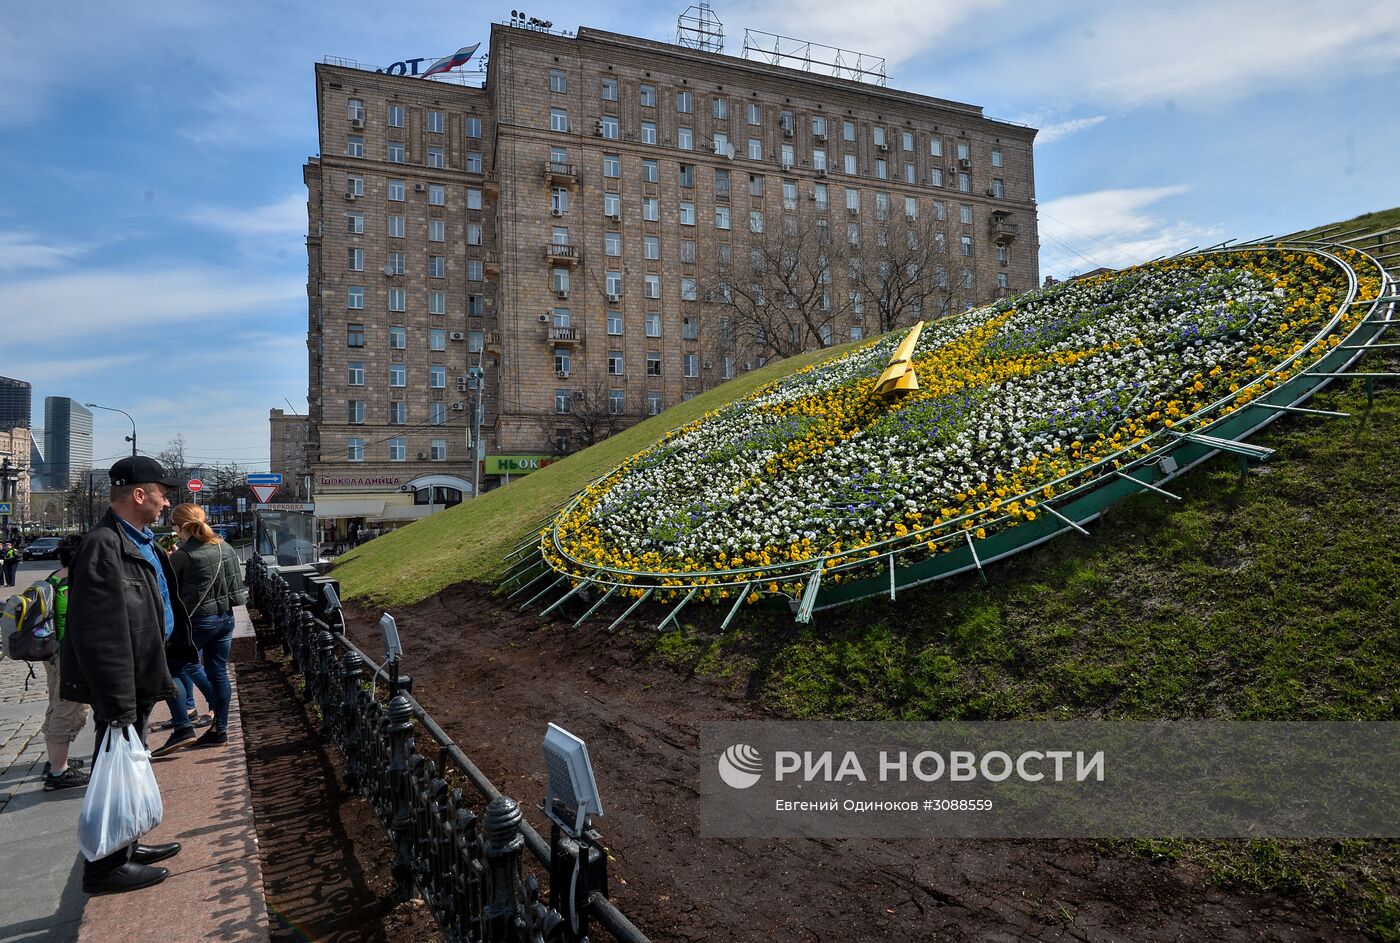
(67, 441)
(558, 229)
(287, 451)
(16, 398)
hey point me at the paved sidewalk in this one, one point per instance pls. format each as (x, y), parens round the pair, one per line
(215, 887)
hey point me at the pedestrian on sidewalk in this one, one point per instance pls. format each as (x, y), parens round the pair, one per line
(9, 562)
(124, 620)
(211, 584)
(63, 720)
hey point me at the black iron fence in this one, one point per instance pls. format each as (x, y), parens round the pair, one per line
(469, 869)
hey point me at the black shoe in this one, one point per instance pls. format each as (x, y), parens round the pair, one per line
(181, 738)
(72, 764)
(129, 877)
(150, 854)
(68, 779)
(213, 737)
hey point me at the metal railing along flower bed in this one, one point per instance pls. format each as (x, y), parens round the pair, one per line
(1031, 416)
(469, 869)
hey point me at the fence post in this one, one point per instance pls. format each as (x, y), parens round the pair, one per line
(401, 816)
(500, 827)
(352, 669)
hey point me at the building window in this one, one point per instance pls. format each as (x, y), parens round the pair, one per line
(472, 127)
(998, 188)
(653, 364)
(651, 248)
(558, 120)
(692, 365)
(562, 317)
(755, 220)
(437, 377)
(434, 122)
(398, 452)
(755, 149)
(474, 162)
(878, 133)
(911, 207)
(940, 210)
(721, 217)
(649, 171)
(690, 329)
(395, 264)
(653, 318)
(819, 195)
(935, 146)
(935, 176)
(354, 335)
(853, 233)
(687, 214)
(396, 116)
(355, 260)
(882, 168)
(398, 374)
(685, 139)
(475, 308)
(615, 363)
(882, 205)
(612, 165)
(911, 173)
(653, 402)
(964, 151)
(613, 283)
(1002, 254)
(355, 410)
(354, 449)
(354, 145)
(857, 333)
(615, 322)
(687, 175)
(609, 90)
(683, 102)
(689, 291)
(396, 227)
(560, 277)
(398, 301)
(610, 127)
(648, 132)
(612, 205)
(355, 373)
(354, 186)
(563, 401)
(612, 243)
(648, 96)
(755, 113)
(967, 278)
(616, 402)
(789, 156)
(437, 195)
(850, 164)
(396, 190)
(906, 140)
(853, 200)
(435, 157)
(965, 213)
(728, 367)
(473, 198)
(437, 414)
(996, 159)
(398, 413)
(473, 234)
(437, 266)
(437, 450)
(1001, 280)
(354, 297)
(965, 182)
(437, 339)
(437, 230)
(719, 108)
(396, 152)
(558, 81)
(848, 130)
(688, 250)
(355, 109)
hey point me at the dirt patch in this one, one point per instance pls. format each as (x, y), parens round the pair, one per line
(325, 858)
(493, 678)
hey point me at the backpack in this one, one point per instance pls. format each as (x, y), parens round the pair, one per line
(27, 625)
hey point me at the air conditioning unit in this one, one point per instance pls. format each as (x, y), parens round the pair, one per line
(614, 216)
(457, 335)
(420, 188)
(458, 407)
(562, 374)
(598, 128)
(882, 147)
(357, 123)
(787, 165)
(787, 131)
(556, 212)
(351, 195)
(561, 293)
(854, 211)
(964, 163)
(748, 365)
(461, 384)
(544, 319)
(821, 171)
(707, 365)
(991, 192)
(614, 299)
(819, 136)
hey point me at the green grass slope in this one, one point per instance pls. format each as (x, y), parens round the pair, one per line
(469, 542)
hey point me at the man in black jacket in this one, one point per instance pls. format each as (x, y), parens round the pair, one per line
(124, 613)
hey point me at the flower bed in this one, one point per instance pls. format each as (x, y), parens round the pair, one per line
(1018, 402)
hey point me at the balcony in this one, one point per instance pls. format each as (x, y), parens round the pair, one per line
(1002, 229)
(562, 252)
(569, 336)
(560, 172)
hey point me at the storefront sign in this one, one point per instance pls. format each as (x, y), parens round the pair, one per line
(368, 481)
(516, 464)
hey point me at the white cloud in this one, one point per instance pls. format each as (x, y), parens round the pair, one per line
(23, 252)
(1058, 130)
(286, 218)
(56, 371)
(127, 303)
(1112, 228)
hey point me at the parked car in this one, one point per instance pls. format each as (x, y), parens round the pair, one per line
(45, 548)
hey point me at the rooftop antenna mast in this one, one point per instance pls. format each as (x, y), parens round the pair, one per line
(699, 28)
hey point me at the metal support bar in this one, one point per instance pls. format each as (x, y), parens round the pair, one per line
(594, 608)
(1366, 346)
(1257, 452)
(1366, 376)
(892, 586)
(677, 611)
(1304, 410)
(744, 594)
(973, 550)
(1149, 486)
(561, 600)
(634, 605)
(1063, 518)
(526, 586)
(531, 601)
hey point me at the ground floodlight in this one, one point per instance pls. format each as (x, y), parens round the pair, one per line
(331, 596)
(572, 790)
(389, 629)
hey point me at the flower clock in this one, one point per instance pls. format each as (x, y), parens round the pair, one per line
(1023, 420)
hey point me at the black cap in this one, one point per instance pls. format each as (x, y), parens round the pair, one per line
(140, 470)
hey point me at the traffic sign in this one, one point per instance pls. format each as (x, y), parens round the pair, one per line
(194, 484)
(242, 505)
(6, 507)
(265, 478)
(264, 493)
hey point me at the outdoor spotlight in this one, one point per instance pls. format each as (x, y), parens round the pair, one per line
(389, 630)
(331, 596)
(572, 791)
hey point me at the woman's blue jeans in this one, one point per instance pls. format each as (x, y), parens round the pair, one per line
(213, 636)
(190, 676)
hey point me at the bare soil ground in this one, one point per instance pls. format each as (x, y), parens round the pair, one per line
(493, 677)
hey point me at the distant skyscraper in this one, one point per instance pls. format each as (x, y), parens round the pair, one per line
(15, 399)
(67, 441)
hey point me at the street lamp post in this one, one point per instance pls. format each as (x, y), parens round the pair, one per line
(131, 438)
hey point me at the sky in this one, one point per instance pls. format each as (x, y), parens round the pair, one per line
(152, 210)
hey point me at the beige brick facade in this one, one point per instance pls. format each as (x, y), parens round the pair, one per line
(573, 130)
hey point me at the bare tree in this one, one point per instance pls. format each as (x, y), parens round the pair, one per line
(593, 415)
(907, 272)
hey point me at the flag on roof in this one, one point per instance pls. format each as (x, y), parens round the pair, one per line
(459, 58)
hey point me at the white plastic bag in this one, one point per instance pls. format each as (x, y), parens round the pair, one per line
(123, 800)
